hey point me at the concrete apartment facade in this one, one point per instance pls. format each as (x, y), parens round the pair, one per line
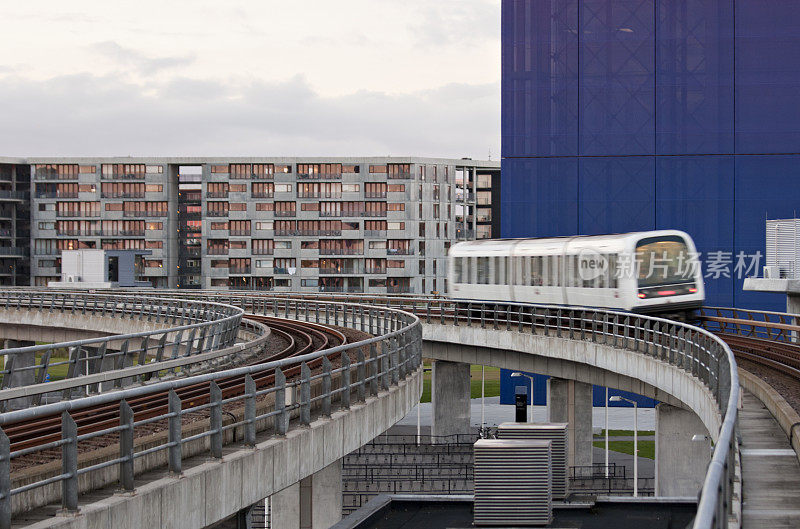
(360, 224)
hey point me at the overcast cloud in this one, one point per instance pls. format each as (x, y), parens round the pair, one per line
(354, 77)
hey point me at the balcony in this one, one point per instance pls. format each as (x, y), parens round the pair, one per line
(217, 194)
(286, 232)
(217, 251)
(344, 271)
(290, 213)
(375, 233)
(263, 195)
(239, 270)
(352, 290)
(399, 251)
(263, 251)
(68, 214)
(13, 251)
(14, 195)
(280, 271)
(217, 213)
(118, 195)
(341, 251)
(240, 233)
(398, 290)
(319, 176)
(372, 214)
(374, 194)
(51, 176)
(123, 176)
(190, 252)
(399, 176)
(144, 213)
(371, 270)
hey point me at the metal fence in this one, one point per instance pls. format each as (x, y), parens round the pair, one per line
(186, 328)
(364, 368)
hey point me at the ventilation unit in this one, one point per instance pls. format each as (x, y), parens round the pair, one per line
(555, 432)
(512, 482)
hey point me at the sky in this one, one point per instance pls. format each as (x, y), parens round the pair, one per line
(250, 78)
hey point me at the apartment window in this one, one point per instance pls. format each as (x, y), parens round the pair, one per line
(237, 245)
(283, 245)
(309, 263)
(56, 171)
(217, 190)
(219, 225)
(395, 225)
(263, 246)
(287, 169)
(398, 246)
(47, 225)
(309, 206)
(309, 245)
(375, 190)
(285, 209)
(283, 188)
(154, 245)
(351, 168)
(217, 209)
(436, 211)
(378, 169)
(422, 229)
(421, 248)
(397, 206)
(154, 169)
(87, 169)
(266, 225)
(153, 263)
(264, 263)
(154, 188)
(47, 207)
(238, 206)
(121, 190)
(395, 263)
(219, 169)
(375, 225)
(285, 227)
(123, 171)
(217, 246)
(374, 209)
(265, 206)
(309, 283)
(263, 171)
(284, 265)
(377, 245)
(422, 172)
(422, 267)
(399, 170)
(87, 188)
(219, 263)
(350, 225)
(145, 209)
(154, 226)
(240, 227)
(240, 171)
(351, 188)
(396, 188)
(78, 209)
(263, 190)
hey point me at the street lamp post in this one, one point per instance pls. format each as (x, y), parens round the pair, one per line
(617, 398)
(529, 377)
(606, 433)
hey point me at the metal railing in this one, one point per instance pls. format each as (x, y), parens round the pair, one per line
(188, 328)
(696, 351)
(366, 368)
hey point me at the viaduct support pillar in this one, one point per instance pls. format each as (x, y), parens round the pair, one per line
(313, 503)
(450, 397)
(21, 378)
(571, 402)
(680, 462)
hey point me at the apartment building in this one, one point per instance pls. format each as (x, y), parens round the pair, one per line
(15, 222)
(368, 224)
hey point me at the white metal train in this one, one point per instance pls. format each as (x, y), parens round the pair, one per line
(644, 272)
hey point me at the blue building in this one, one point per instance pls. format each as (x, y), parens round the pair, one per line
(622, 115)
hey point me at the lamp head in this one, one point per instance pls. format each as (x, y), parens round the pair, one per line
(516, 374)
(615, 398)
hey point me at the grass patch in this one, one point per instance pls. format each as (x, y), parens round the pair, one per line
(647, 449)
(624, 433)
(491, 376)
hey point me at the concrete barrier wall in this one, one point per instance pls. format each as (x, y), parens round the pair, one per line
(783, 412)
(580, 360)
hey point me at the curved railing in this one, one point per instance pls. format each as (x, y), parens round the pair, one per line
(316, 381)
(696, 351)
(183, 328)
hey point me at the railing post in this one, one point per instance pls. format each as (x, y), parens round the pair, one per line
(69, 463)
(345, 380)
(175, 434)
(385, 360)
(5, 481)
(326, 387)
(250, 411)
(305, 395)
(281, 422)
(394, 360)
(373, 359)
(361, 376)
(126, 446)
(215, 398)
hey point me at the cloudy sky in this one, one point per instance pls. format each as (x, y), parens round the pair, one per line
(256, 77)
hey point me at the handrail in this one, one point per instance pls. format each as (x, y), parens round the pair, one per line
(695, 350)
(188, 327)
(366, 367)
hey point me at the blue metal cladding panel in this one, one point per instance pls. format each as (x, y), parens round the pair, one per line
(508, 386)
(694, 77)
(539, 197)
(766, 187)
(540, 78)
(767, 76)
(695, 194)
(616, 194)
(617, 81)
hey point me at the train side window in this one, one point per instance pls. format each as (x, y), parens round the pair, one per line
(536, 272)
(467, 278)
(499, 270)
(483, 271)
(457, 269)
(526, 270)
(548, 270)
(601, 277)
(557, 270)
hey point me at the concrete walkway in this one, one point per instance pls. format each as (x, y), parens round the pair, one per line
(770, 470)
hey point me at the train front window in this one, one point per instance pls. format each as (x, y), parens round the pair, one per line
(664, 261)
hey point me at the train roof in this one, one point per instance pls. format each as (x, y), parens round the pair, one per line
(610, 243)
